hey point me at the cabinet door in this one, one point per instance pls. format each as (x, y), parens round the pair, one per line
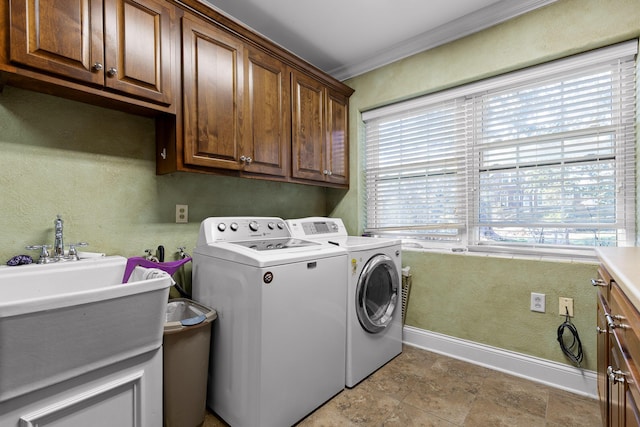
(62, 37)
(632, 415)
(337, 149)
(212, 91)
(266, 139)
(308, 127)
(617, 389)
(603, 356)
(138, 48)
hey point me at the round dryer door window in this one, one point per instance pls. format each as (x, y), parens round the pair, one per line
(377, 293)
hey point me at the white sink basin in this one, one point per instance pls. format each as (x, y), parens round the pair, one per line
(60, 320)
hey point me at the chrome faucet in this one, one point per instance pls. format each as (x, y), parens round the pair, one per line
(57, 253)
(58, 245)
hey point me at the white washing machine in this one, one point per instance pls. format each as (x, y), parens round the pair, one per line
(374, 294)
(278, 344)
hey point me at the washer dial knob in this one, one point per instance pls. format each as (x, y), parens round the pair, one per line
(253, 226)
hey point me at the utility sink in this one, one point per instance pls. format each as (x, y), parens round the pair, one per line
(61, 320)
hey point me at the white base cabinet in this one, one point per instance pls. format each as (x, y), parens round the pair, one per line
(127, 393)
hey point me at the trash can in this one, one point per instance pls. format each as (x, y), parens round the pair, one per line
(186, 341)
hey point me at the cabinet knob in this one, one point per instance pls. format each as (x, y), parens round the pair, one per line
(112, 72)
(600, 330)
(598, 282)
(97, 66)
(246, 159)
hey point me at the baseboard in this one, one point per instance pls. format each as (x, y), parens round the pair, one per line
(553, 374)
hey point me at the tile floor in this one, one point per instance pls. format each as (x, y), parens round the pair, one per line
(420, 388)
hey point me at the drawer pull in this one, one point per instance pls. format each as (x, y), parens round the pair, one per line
(615, 376)
(598, 282)
(613, 325)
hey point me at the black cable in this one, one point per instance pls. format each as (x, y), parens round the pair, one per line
(574, 350)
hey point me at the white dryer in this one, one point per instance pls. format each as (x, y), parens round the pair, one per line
(278, 344)
(374, 294)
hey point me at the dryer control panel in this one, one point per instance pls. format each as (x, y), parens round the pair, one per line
(317, 227)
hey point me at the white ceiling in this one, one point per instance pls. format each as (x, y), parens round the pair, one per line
(346, 38)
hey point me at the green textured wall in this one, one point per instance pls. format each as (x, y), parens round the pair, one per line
(486, 299)
(96, 167)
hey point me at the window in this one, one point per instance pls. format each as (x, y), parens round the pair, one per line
(541, 158)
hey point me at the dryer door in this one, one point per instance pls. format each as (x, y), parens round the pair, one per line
(377, 293)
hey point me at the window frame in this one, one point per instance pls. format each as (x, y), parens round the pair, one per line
(468, 239)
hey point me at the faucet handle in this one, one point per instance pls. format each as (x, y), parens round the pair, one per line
(181, 253)
(44, 252)
(150, 257)
(73, 252)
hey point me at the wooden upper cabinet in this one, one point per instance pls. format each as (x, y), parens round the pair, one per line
(236, 103)
(337, 152)
(138, 48)
(308, 127)
(319, 132)
(266, 138)
(124, 45)
(213, 86)
(62, 37)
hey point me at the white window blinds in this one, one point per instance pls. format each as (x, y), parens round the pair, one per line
(541, 157)
(416, 172)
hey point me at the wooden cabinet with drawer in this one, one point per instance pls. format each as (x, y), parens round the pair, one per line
(618, 327)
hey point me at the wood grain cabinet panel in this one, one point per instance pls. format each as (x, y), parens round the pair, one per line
(213, 86)
(266, 139)
(62, 37)
(319, 132)
(337, 146)
(308, 127)
(138, 48)
(123, 45)
(603, 350)
(236, 104)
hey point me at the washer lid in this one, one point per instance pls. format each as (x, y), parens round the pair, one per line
(275, 244)
(233, 252)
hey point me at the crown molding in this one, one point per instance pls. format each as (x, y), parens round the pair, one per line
(461, 27)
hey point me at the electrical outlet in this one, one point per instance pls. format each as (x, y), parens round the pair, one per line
(565, 306)
(182, 214)
(537, 302)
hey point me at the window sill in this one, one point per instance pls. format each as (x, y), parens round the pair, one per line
(505, 253)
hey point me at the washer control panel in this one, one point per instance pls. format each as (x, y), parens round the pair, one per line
(230, 229)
